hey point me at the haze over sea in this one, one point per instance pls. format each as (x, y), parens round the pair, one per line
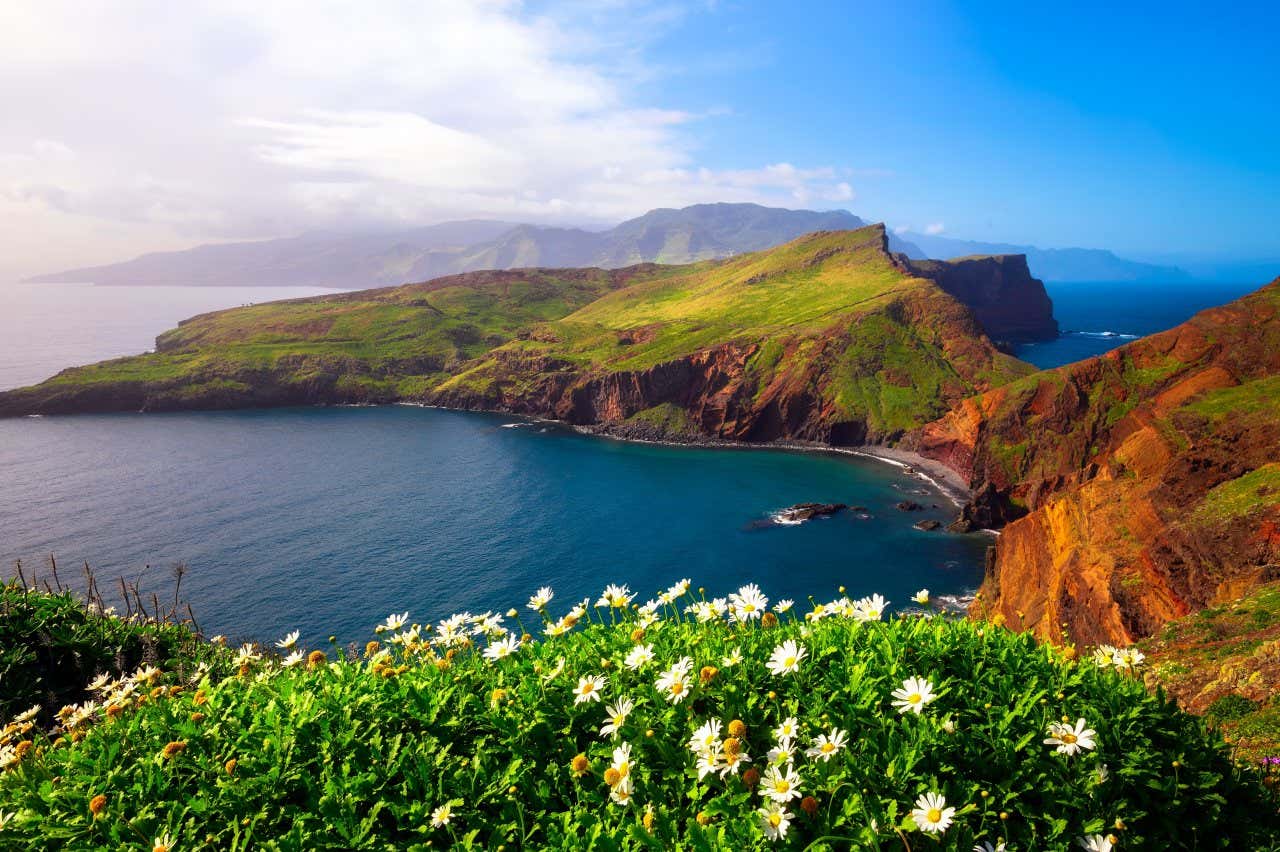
(326, 520)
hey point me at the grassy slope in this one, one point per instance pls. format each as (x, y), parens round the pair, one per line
(387, 343)
(829, 311)
(355, 753)
(1224, 661)
(894, 347)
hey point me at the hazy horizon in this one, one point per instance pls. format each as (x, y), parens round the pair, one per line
(140, 127)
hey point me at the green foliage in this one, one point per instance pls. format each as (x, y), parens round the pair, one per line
(1230, 707)
(51, 645)
(358, 753)
(1242, 496)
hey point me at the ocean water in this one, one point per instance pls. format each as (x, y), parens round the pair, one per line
(45, 328)
(327, 519)
(1097, 316)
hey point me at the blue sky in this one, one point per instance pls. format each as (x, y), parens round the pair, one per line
(139, 125)
(1150, 129)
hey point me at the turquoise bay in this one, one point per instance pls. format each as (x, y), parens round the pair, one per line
(326, 520)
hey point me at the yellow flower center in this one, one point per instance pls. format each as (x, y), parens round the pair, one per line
(587, 688)
(775, 819)
(827, 748)
(782, 785)
(618, 720)
(914, 698)
(789, 662)
(1069, 739)
(677, 688)
(934, 815)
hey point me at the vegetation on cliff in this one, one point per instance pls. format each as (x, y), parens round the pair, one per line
(721, 723)
(827, 338)
(1147, 477)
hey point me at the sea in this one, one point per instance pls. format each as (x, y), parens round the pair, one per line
(326, 520)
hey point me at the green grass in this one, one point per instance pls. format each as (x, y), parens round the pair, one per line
(1240, 497)
(358, 752)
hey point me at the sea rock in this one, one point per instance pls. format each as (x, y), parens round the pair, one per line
(805, 511)
(908, 506)
(927, 526)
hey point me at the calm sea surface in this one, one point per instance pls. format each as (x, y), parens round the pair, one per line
(326, 520)
(1097, 316)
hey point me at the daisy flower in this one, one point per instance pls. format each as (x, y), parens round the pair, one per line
(985, 846)
(541, 598)
(679, 589)
(558, 628)
(502, 648)
(615, 596)
(288, 641)
(708, 763)
(870, 608)
(1104, 656)
(931, 813)
(706, 738)
(786, 658)
(1128, 658)
(781, 784)
(775, 819)
(732, 658)
(921, 597)
(1096, 843)
(789, 729)
(783, 752)
(589, 688)
(394, 622)
(638, 657)
(826, 746)
(1070, 740)
(163, 843)
(617, 716)
(783, 605)
(674, 682)
(748, 603)
(915, 693)
(733, 761)
(441, 815)
(294, 659)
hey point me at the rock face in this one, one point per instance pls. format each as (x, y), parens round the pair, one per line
(1134, 487)
(1011, 305)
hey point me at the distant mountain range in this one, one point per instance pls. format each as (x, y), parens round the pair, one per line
(700, 232)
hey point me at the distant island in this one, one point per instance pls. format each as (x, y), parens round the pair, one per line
(358, 260)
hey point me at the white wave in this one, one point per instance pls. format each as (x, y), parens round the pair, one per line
(1103, 335)
(514, 425)
(782, 519)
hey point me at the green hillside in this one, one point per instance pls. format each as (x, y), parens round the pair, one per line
(826, 338)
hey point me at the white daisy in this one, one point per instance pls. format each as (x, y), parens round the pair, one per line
(539, 600)
(1096, 843)
(915, 693)
(618, 597)
(748, 603)
(395, 622)
(638, 657)
(1070, 740)
(781, 784)
(706, 738)
(783, 752)
(775, 819)
(589, 688)
(502, 648)
(931, 813)
(616, 716)
(288, 641)
(921, 597)
(786, 658)
(440, 816)
(674, 682)
(870, 608)
(294, 659)
(732, 658)
(985, 846)
(788, 729)
(783, 605)
(826, 746)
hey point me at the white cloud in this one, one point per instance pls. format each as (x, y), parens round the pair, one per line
(237, 119)
(934, 228)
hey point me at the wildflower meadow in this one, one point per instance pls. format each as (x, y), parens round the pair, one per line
(683, 722)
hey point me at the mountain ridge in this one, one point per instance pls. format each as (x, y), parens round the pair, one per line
(385, 258)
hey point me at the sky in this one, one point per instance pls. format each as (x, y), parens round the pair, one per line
(139, 126)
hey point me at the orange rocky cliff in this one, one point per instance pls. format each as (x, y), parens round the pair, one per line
(1134, 487)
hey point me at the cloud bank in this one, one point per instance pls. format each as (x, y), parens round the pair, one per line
(151, 125)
